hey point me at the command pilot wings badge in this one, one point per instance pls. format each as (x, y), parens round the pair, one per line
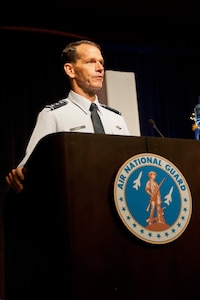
(152, 198)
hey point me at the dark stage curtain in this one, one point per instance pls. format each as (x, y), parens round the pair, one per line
(31, 76)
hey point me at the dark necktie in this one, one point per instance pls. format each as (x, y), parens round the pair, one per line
(98, 127)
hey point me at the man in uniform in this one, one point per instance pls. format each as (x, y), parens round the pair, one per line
(84, 65)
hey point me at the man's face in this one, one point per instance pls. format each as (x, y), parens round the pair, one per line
(89, 68)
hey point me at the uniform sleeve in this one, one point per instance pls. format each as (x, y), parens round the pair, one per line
(45, 124)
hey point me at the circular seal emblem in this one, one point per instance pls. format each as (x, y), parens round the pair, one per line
(152, 198)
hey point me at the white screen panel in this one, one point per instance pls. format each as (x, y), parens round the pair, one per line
(121, 94)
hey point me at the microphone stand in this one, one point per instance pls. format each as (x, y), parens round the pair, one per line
(153, 124)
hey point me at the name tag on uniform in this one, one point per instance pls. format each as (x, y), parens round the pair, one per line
(77, 128)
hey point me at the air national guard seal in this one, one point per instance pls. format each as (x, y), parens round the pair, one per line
(152, 198)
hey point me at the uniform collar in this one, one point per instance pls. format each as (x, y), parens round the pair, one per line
(81, 101)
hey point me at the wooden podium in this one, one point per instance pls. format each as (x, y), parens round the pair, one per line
(64, 239)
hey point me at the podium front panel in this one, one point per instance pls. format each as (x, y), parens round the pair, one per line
(65, 240)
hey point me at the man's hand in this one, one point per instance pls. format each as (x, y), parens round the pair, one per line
(15, 179)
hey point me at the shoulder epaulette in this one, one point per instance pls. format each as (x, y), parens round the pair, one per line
(57, 104)
(110, 108)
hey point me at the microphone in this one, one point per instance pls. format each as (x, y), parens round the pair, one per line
(153, 124)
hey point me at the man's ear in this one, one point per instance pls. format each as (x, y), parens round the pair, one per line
(69, 70)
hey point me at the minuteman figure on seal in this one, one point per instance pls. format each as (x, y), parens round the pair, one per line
(153, 189)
